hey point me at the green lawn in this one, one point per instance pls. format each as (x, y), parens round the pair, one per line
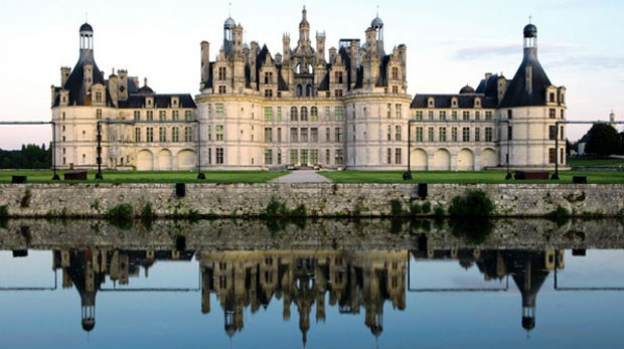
(45, 176)
(586, 161)
(465, 177)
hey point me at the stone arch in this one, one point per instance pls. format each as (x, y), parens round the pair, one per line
(165, 160)
(187, 160)
(442, 160)
(145, 161)
(465, 160)
(489, 158)
(420, 160)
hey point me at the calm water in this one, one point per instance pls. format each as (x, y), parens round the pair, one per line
(339, 285)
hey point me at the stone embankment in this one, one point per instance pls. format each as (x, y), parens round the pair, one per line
(319, 199)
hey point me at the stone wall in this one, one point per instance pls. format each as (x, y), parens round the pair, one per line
(248, 200)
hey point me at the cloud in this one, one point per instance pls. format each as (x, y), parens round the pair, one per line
(593, 63)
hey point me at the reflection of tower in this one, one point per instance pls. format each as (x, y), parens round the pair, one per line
(304, 288)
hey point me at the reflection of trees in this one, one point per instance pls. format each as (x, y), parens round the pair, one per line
(306, 279)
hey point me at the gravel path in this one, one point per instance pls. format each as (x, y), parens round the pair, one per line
(302, 176)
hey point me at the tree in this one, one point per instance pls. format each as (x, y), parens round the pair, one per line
(603, 141)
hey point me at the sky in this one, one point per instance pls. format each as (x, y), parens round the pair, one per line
(450, 43)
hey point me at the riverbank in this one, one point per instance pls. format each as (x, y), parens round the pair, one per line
(212, 200)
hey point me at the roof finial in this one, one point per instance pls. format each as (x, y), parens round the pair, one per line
(230, 10)
(86, 17)
(377, 10)
(530, 19)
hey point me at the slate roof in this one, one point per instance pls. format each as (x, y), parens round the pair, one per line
(75, 83)
(161, 101)
(464, 101)
(517, 94)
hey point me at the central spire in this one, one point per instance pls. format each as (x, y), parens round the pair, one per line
(304, 28)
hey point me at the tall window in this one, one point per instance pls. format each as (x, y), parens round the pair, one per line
(327, 113)
(279, 113)
(279, 135)
(219, 156)
(162, 134)
(294, 156)
(222, 89)
(389, 133)
(397, 156)
(314, 114)
(268, 77)
(175, 135)
(137, 134)
(304, 114)
(175, 115)
(552, 113)
(552, 130)
(398, 111)
(488, 115)
(454, 115)
(162, 115)
(338, 77)
(268, 135)
(488, 134)
(389, 111)
(338, 134)
(327, 134)
(442, 134)
(222, 73)
(339, 111)
(149, 135)
(268, 157)
(419, 115)
(98, 114)
(398, 135)
(454, 134)
(209, 133)
(477, 134)
(219, 133)
(188, 134)
(314, 156)
(294, 135)
(137, 115)
(466, 115)
(552, 153)
(314, 135)
(510, 133)
(187, 115)
(430, 134)
(327, 156)
(293, 114)
(395, 73)
(304, 135)
(419, 134)
(389, 155)
(339, 158)
(466, 134)
(219, 108)
(442, 115)
(209, 111)
(430, 115)
(268, 114)
(304, 156)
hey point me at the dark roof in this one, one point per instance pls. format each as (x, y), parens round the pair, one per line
(464, 101)
(161, 101)
(530, 31)
(489, 86)
(467, 90)
(86, 28)
(281, 83)
(518, 93)
(78, 94)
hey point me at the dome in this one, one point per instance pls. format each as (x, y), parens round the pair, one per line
(86, 28)
(88, 325)
(229, 23)
(466, 90)
(145, 90)
(530, 31)
(528, 323)
(377, 23)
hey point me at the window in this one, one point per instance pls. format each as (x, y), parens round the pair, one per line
(219, 133)
(187, 115)
(98, 97)
(562, 114)
(294, 135)
(219, 156)
(442, 115)
(328, 135)
(175, 135)
(149, 136)
(430, 134)
(268, 157)
(162, 115)
(419, 115)
(561, 134)
(509, 114)
(454, 115)
(477, 134)
(188, 134)
(314, 114)
(552, 153)
(338, 159)
(430, 115)
(304, 135)
(222, 89)
(551, 97)
(397, 156)
(398, 135)
(98, 114)
(389, 156)
(395, 73)
(294, 156)
(268, 135)
(338, 134)
(279, 135)
(268, 93)
(314, 156)
(314, 135)
(466, 134)
(279, 113)
(137, 115)
(304, 156)
(419, 134)
(162, 134)
(389, 133)
(488, 134)
(327, 113)
(210, 133)
(175, 115)
(304, 114)
(339, 93)
(338, 77)
(293, 114)
(222, 73)
(339, 111)
(389, 111)
(395, 89)
(552, 113)
(552, 130)
(509, 133)
(442, 134)
(488, 115)
(209, 156)
(209, 111)
(268, 77)
(398, 111)
(466, 115)
(137, 134)
(219, 108)
(268, 114)
(327, 156)
(279, 157)
(477, 115)
(454, 134)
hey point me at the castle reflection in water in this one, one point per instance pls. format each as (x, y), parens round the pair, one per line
(307, 281)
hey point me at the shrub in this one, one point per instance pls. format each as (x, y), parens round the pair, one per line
(475, 203)
(438, 212)
(396, 208)
(120, 212)
(148, 211)
(4, 211)
(560, 215)
(25, 202)
(415, 209)
(426, 207)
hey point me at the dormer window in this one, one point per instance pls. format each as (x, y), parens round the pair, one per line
(477, 102)
(149, 102)
(175, 101)
(454, 102)
(430, 102)
(551, 97)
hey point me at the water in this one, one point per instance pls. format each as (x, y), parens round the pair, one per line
(327, 284)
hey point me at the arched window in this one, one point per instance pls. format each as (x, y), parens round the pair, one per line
(309, 90)
(299, 90)
(304, 114)
(293, 114)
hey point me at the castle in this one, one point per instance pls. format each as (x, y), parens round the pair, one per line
(345, 107)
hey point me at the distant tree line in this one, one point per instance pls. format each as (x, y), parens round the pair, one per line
(31, 156)
(604, 140)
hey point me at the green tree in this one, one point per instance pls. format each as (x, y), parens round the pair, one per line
(603, 140)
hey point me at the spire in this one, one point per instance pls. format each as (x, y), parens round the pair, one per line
(304, 29)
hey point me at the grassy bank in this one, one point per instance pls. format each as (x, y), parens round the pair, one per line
(35, 176)
(586, 161)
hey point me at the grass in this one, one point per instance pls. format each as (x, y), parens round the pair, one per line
(464, 177)
(587, 161)
(45, 176)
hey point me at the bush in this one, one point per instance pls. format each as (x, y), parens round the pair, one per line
(120, 212)
(148, 211)
(396, 208)
(4, 211)
(475, 203)
(426, 207)
(415, 209)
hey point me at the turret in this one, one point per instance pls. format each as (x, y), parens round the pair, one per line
(205, 63)
(86, 41)
(320, 47)
(304, 29)
(65, 71)
(286, 46)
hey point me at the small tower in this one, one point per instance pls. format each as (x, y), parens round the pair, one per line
(304, 29)
(228, 34)
(378, 25)
(86, 41)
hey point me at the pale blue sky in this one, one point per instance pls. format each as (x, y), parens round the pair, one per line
(450, 43)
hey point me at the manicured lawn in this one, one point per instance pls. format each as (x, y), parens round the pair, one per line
(594, 162)
(45, 176)
(465, 177)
